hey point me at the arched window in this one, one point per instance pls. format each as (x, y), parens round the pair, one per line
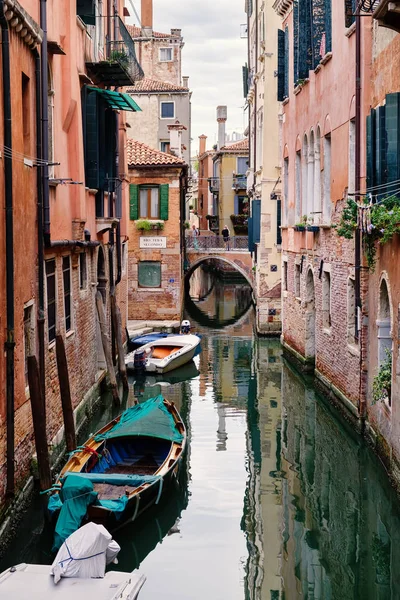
(384, 325)
(298, 177)
(317, 210)
(310, 178)
(326, 209)
(304, 177)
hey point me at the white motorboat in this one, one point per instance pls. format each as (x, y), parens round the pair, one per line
(77, 572)
(163, 355)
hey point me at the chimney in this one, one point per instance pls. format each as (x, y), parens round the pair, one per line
(202, 144)
(185, 82)
(175, 32)
(175, 138)
(146, 17)
(222, 115)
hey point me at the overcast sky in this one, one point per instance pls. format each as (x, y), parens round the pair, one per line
(213, 56)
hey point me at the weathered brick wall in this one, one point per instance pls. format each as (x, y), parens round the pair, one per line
(164, 302)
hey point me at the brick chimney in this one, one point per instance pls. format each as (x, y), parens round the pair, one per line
(202, 144)
(222, 115)
(146, 17)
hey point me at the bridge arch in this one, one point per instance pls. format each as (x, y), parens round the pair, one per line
(232, 263)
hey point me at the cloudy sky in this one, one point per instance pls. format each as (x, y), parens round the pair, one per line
(213, 56)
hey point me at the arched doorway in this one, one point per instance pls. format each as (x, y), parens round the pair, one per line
(310, 317)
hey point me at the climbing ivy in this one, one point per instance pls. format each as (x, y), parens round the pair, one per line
(385, 223)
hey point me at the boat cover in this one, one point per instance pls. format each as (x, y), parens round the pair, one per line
(147, 419)
(85, 553)
(75, 496)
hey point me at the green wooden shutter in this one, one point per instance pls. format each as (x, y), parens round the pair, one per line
(286, 75)
(393, 137)
(380, 146)
(371, 179)
(92, 158)
(245, 73)
(281, 65)
(133, 202)
(164, 201)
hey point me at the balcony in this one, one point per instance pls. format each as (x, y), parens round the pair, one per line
(239, 182)
(213, 183)
(388, 14)
(121, 67)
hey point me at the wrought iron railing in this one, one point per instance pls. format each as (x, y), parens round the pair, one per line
(213, 182)
(123, 52)
(239, 182)
(205, 243)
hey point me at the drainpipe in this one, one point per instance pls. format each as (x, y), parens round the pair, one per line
(45, 123)
(8, 177)
(41, 314)
(357, 250)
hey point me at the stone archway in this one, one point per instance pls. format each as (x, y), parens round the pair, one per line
(310, 318)
(236, 264)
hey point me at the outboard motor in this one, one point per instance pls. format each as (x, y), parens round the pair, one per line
(185, 326)
(139, 361)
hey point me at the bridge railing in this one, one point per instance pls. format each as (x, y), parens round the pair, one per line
(204, 243)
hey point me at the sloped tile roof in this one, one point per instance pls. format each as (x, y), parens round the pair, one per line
(147, 85)
(136, 32)
(141, 155)
(242, 145)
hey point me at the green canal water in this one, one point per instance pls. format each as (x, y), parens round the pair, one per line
(277, 498)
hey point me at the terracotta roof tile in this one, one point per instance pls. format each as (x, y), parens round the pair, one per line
(147, 85)
(235, 146)
(141, 155)
(136, 32)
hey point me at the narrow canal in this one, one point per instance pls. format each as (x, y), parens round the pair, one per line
(277, 497)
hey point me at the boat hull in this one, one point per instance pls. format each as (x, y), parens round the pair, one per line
(174, 363)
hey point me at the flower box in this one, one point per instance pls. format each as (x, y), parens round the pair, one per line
(299, 228)
(313, 228)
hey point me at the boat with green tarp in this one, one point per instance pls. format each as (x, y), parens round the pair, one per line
(121, 470)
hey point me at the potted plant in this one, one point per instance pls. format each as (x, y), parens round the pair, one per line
(302, 225)
(143, 225)
(311, 226)
(382, 384)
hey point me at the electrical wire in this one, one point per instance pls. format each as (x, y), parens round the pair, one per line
(376, 187)
(20, 157)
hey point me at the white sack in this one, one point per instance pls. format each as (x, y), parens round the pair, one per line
(85, 553)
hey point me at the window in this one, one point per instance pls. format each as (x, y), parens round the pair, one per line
(349, 12)
(149, 207)
(86, 10)
(297, 275)
(167, 110)
(29, 344)
(317, 208)
(165, 146)
(326, 300)
(285, 275)
(149, 274)
(286, 191)
(278, 221)
(351, 311)
(310, 176)
(242, 165)
(83, 271)
(352, 156)
(166, 54)
(26, 116)
(297, 216)
(240, 205)
(51, 298)
(66, 266)
(327, 180)
(124, 256)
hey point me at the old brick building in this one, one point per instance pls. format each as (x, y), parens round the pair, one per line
(69, 206)
(157, 190)
(316, 84)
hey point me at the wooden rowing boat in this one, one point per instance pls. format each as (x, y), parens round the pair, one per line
(121, 470)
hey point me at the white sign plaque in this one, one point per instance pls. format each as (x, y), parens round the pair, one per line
(153, 242)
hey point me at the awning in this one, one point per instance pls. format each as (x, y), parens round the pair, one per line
(116, 100)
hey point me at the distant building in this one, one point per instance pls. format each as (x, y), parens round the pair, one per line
(162, 104)
(157, 191)
(205, 207)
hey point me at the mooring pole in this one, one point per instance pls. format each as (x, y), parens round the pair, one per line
(39, 423)
(116, 322)
(105, 338)
(65, 392)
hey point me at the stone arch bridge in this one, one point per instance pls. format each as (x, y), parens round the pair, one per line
(203, 248)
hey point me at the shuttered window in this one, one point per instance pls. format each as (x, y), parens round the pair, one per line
(66, 266)
(51, 298)
(149, 203)
(281, 65)
(286, 65)
(86, 10)
(164, 201)
(133, 202)
(393, 137)
(305, 54)
(245, 73)
(149, 274)
(349, 11)
(278, 221)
